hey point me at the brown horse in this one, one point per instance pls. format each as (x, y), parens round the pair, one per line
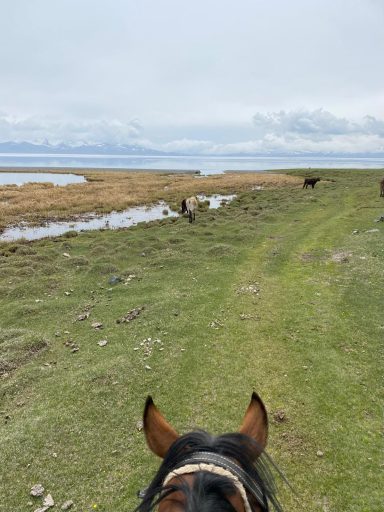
(227, 473)
(382, 188)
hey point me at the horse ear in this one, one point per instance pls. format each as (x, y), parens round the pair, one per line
(255, 422)
(158, 432)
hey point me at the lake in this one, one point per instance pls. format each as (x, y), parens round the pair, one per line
(20, 178)
(207, 165)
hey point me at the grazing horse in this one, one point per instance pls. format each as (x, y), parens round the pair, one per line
(201, 472)
(310, 181)
(189, 206)
(382, 188)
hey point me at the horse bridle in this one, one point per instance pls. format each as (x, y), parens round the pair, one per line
(221, 465)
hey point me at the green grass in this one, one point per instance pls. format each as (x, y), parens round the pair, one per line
(309, 342)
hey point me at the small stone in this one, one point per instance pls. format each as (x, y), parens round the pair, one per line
(83, 316)
(66, 255)
(319, 453)
(114, 280)
(131, 315)
(139, 426)
(37, 490)
(67, 294)
(48, 501)
(75, 349)
(102, 343)
(148, 367)
(41, 509)
(67, 505)
(279, 416)
(97, 325)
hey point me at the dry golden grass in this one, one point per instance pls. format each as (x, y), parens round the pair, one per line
(104, 191)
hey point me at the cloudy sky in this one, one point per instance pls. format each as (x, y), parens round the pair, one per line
(208, 76)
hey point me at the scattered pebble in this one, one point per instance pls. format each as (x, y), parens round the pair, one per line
(114, 280)
(131, 315)
(279, 416)
(251, 288)
(37, 490)
(97, 325)
(147, 367)
(319, 453)
(129, 278)
(148, 345)
(48, 501)
(139, 425)
(102, 343)
(215, 324)
(66, 255)
(67, 505)
(83, 316)
(373, 230)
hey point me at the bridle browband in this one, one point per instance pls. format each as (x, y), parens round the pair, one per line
(211, 463)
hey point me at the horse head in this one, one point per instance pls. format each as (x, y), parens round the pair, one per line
(203, 472)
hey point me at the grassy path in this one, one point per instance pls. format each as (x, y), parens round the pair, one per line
(274, 293)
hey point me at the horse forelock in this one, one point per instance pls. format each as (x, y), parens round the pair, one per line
(237, 447)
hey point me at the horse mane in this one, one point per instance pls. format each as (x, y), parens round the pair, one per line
(209, 491)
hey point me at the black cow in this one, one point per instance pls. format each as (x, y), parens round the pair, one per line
(310, 181)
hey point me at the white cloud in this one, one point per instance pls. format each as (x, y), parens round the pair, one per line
(37, 130)
(316, 124)
(302, 131)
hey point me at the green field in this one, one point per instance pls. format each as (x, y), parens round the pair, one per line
(280, 292)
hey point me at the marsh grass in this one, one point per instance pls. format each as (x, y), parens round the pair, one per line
(309, 342)
(35, 203)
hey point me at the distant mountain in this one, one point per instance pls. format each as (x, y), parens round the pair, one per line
(83, 149)
(136, 150)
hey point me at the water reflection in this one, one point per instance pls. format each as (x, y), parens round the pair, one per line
(113, 220)
(216, 200)
(21, 178)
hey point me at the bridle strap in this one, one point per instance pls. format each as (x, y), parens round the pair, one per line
(229, 465)
(213, 470)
